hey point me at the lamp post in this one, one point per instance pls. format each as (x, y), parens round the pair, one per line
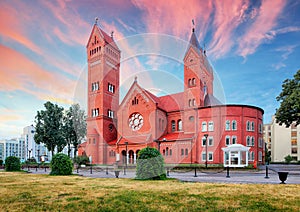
(206, 135)
(29, 154)
(126, 143)
(38, 160)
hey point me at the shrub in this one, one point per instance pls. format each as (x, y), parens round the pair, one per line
(61, 164)
(288, 159)
(150, 165)
(81, 160)
(12, 163)
(1, 162)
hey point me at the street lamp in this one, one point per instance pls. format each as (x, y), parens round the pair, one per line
(38, 155)
(126, 143)
(206, 135)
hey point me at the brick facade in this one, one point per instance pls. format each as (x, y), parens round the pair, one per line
(175, 124)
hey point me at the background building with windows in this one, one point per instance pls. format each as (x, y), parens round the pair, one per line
(187, 127)
(12, 147)
(282, 141)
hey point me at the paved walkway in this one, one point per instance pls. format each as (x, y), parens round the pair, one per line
(236, 176)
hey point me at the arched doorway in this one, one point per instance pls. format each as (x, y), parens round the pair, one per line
(131, 157)
(123, 159)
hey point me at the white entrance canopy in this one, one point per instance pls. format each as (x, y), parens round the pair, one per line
(236, 155)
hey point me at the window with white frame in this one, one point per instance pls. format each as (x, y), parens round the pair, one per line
(204, 126)
(227, 125)
(203, 141)
(209, 156)
(251, 156)
(234, 140)
(234, 125)
(210, 141)
(111, 88)
(248, 126)
(179, 125)
(227, 140)
(252, 141)
(173, 126)
(248, 141)
(260, 127)
(211, 126)
(260, 142)
(110, 113)
(252, 126)
(260, 156)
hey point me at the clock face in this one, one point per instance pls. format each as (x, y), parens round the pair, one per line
(136, 121)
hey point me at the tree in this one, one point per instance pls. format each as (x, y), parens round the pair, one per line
(150, 165)
(74, 127)
(48, 129)
(289, 110)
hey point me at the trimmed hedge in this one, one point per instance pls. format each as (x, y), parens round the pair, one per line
(150, 165)
(12, 163)
(61, 164)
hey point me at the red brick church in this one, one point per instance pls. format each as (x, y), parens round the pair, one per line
(182, 126)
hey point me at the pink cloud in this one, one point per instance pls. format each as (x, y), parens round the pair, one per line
(257, 33)
(175, 17)
(28, 77)
(228, 16)
(12, 28)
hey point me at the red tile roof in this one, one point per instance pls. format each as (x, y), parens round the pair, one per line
(177, 136)
(168, 103)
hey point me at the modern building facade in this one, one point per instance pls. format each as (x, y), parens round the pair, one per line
(187, 127)
(11, 147)
(282, 141)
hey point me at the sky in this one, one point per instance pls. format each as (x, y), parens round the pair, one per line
(253, 46)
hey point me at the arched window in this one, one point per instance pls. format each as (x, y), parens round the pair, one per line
(170, 152)
(248, 126)
(234, 141)
(194, 102)
(227, 140)
(234, 125)
(182, 152)
(248, 141)
(193, 81)
(204, 126)
(186, 151)
(190, 82)
(179, 125)
(252, 141)
(227, 125)
(164, 152)
(211, 126)
(252, 126)
(190, 102)
(167, 151)
(173, 126)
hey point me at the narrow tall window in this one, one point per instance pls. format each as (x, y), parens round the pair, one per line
(227, 140)
(173, 126)
(227, 125)
(234, 141)
(179, 125)
(248, 126)
(204, 126)
(248, 141)
(252, 126)
(234, 125)
(211, 126)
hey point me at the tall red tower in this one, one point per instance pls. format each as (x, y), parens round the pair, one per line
(103, 58)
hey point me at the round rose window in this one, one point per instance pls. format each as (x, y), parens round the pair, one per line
(136, 121)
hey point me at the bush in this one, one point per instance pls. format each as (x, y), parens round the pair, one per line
(1, 162)
(61, 164)
(12, 163)
(81, 160)
(150, 165)
(288, 159)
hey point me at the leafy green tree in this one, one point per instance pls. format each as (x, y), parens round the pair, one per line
(150, 165)
(48, 128)
(12, 163)
(74, 127)
(289, 110)
(61, 164)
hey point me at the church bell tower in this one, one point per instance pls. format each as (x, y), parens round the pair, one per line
(103, 59)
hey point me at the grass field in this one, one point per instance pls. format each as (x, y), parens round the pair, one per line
(31, 192)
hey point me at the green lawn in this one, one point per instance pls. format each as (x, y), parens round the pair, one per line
(31, 192)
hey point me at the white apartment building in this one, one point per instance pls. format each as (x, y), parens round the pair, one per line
(12, 147)
(282, 141)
